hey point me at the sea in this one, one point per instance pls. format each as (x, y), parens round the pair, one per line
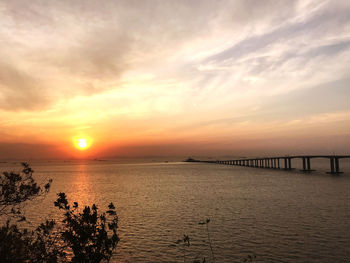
(269, 214)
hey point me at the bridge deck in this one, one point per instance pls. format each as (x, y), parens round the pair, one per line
(274, 162)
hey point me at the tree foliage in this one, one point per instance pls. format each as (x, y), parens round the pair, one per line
(17, 188)
(21, 245)
(81, 236)
(87, 232)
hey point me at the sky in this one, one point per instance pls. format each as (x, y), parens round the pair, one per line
(174, 78)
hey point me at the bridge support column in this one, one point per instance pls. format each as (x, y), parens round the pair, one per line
(285, 164)
(334, 163)
(304, 165)
(289, 163)
(336, 160)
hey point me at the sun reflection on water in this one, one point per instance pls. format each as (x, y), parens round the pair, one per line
(82, 190)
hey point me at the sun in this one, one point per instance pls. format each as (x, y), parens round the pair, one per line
(82, 143)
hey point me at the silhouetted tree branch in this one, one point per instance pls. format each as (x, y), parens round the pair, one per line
(87, 232)
(17, 188)
(87, 235)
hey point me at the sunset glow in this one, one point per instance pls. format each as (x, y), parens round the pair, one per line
(213, 78)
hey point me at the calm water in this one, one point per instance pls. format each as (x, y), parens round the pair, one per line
(278, 216)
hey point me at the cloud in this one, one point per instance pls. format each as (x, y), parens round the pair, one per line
(27, 151)
(166, 64)
(84, 47)
(20, 91)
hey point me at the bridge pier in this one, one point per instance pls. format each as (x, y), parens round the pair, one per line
(334, 165)
(274, 162)
(287, 163)
(290, 164)
(306, 165)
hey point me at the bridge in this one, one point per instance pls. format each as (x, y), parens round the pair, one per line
(283, 162)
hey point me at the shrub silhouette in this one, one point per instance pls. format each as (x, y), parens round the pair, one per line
(85, 236)
(86, 233)
(16, 189)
